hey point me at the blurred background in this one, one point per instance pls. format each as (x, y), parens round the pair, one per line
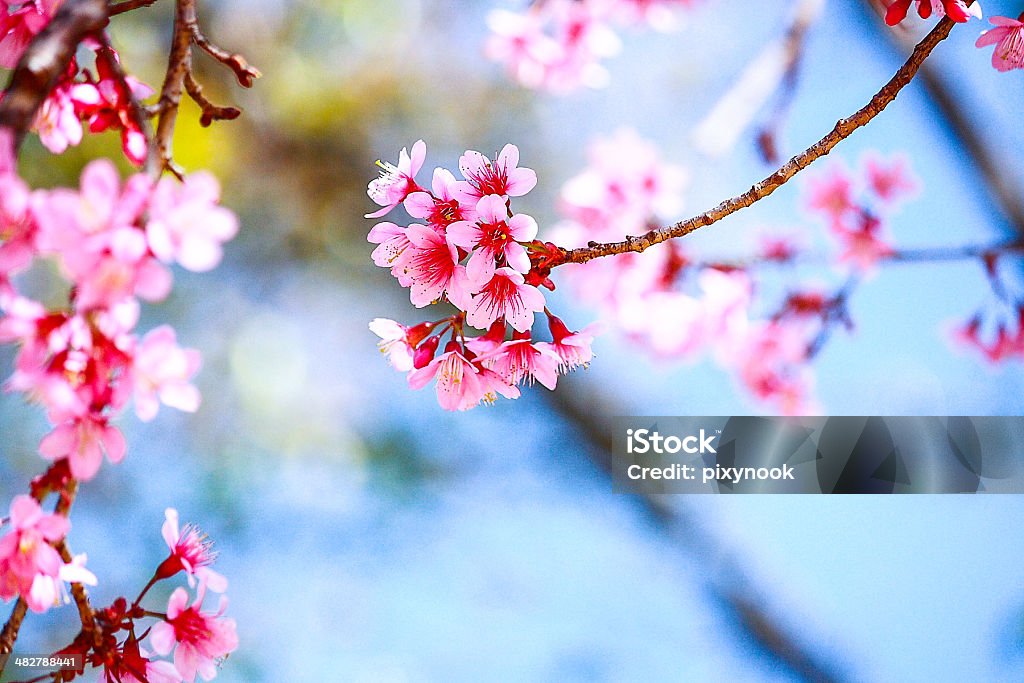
(369, 536)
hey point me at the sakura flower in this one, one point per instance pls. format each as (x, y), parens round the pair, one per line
(187, 225)
(57, 122)
(49, 591)
(191, 552)
(445, 206)
(892, 180)
(519, 42)
(831, 194)
(571, 348)
(503, 177)
(83, 441)
(957, 10)
(26, 553)
(494, 236)
(17, 229)
(863, 247)
(161, 372)
(430, 265)
(505, 296)
(1008, 37)
(459, 385)
(519, 360)
(397, 182)
(394, 343)
(198, 638)
(107, 104)
(392, 241)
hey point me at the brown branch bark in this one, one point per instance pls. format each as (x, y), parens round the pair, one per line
(128, 6)
(843, 129)
(45, 61)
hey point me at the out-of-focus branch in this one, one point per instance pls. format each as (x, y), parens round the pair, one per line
(979, 153)
(590, 416)
(843, 129)
(128, 5)
(45, 60)
(179, 78)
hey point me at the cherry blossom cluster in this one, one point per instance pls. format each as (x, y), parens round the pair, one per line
(130, 650)
(682, 308)
(497, 289)
(83, 362)
(103, 100)
(996, 330)
(957, 10)
(558, 45)
(856, 210)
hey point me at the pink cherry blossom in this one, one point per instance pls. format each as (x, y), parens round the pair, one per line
(445, 205)
(187, 225)
(892, 180)
(831, 193)
(503, 177)
(394, 343)
(1008, 37)
(57, 122)
(459, 384)
(198, 638)
(26, 553)
(392, 242)
(430, 264)
(518, 360)
(571, 348)
(49, 591)
(397, 182)
(83, 441)
(161, 371)
(494, 235)
(505, 296)
(17, 228)
(191, 552)
(109, 106)
(863, 247)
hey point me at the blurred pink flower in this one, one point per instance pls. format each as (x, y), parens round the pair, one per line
(26, 553)
(187, 225)
(957, 10)
(161, 371)
(83, 441)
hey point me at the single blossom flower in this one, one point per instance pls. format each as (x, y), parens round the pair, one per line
(494, 235)
(430, 265)
(26, 552)
(161, 371)
(459, 385)
(83, 441)
(503, 177)
(1008, 37)
(198, 638)
(187, 225)
(519, 360)
(49, 591)
(571, 348)
(505, 296)
(445, 206)
(191, 552)
(397, 182)
(394, 343)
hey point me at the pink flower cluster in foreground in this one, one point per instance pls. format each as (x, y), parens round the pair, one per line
(679, 308)
(102, 101)
(497, 289)
(558, 45)
(198, 639)
(113, 243)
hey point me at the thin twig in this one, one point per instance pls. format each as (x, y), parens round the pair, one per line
(45, 60)
(11, 628)
(211, 112)
(841, 131)
(179, 61)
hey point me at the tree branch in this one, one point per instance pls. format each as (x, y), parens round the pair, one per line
(843, 129)
(128, 6)
(45, 61)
